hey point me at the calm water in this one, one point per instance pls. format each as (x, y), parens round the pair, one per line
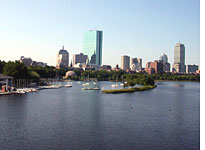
(165, 118)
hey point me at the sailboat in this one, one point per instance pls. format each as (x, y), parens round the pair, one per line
(89, 88)
(115, 85)
(69, 84)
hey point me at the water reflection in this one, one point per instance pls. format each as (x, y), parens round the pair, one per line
(166, 117)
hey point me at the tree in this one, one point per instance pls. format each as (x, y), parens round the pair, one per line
(149, 81)
(34, 75)
(131, 83)
(16, 70)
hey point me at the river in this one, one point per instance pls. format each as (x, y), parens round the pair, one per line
(164, 118)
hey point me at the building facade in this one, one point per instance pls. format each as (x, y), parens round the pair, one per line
(92, 46)
(39, 64)
(27, 61)
(30, 62)
(192, 68)
(79, 58)
(136, 64)
(125, 62)
(166, 67)
(163, 58)
(179, 58)
(155, 67)
(106, 67)
(62, 59)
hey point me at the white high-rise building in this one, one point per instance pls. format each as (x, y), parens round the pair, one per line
(125, 62)
(136, 64)
(62, 59)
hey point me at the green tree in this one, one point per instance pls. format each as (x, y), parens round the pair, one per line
(2, 64)
(149, 81)
(16, 70)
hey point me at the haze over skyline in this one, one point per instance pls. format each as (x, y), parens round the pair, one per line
(137, 28)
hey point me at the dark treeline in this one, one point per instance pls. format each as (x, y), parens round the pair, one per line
(20, 71)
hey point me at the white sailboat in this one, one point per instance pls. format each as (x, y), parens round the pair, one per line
(115, 85)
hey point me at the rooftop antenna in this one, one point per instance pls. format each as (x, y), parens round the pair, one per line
(63, 47)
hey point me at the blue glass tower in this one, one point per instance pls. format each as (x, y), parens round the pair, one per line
(92, 46)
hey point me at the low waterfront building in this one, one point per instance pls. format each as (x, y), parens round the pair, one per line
(192, 68)
(79, 58)
(198, 71)
(5, 82)
(106, 67)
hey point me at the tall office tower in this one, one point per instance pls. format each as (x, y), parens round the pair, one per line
(125, 62)
(79, 58)
(136, 64)
(62, 59)
(179, 58)
(163, 58)
(92, 46)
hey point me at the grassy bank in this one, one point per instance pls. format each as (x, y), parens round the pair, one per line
(129, 90)
(175, 81)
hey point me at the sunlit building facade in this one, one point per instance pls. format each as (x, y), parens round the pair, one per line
(92, 46)
(62, 59)
(179, 58)
(125, 62)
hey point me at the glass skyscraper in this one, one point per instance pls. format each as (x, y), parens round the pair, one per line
(92, 46)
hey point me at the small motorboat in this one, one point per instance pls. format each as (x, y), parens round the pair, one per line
(95, 88)
(68, 85)
(114, 85)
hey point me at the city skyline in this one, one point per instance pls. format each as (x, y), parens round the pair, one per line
(153, 31)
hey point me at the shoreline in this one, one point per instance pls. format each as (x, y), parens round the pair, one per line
(129, 90)
(176, 81)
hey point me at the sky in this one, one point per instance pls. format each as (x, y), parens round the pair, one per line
(138, 28)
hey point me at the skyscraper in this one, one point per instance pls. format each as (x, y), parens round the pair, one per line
(79, 58)
(92, 46)
(163, 58)
(136, 64)
(125, 62)
(179, 58)
(62, 59)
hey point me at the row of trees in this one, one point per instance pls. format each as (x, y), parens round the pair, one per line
(19, 70)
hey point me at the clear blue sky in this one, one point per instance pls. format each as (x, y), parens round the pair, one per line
(139, 28)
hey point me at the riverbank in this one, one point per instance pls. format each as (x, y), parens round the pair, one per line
(129, 90)
(175, 81)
